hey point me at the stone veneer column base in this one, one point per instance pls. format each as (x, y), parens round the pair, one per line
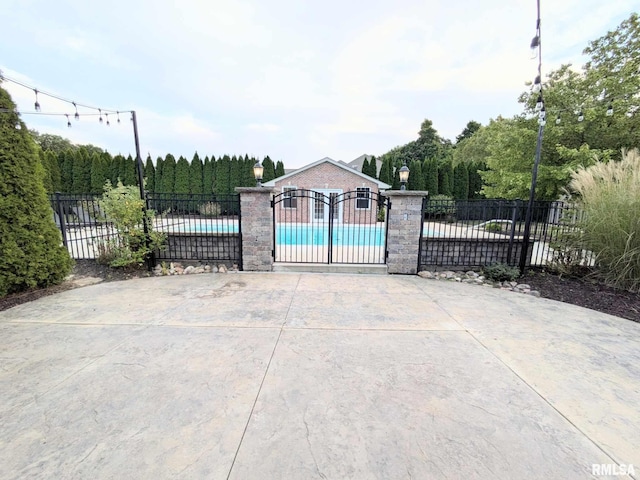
(404, 225)
(257, 228)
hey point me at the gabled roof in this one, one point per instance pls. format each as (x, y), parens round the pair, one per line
(342, 165)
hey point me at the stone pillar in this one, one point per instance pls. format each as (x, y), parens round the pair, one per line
(257, 228)
(404, 224)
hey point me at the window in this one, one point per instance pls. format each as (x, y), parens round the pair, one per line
(289, 200)
(363, 198)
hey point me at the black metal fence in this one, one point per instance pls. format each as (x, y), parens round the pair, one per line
(198, 227)
(204, 228)
(477, 233)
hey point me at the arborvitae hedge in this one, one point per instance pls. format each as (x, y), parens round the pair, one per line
(31, 251)
(149, 175)
(182, 176)
(195, 175)
(461, 182)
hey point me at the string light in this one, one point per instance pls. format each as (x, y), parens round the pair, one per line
(580, 116)
(76, 114)
(118, 113)
(558, 121)
(107, 116)
(539, 103)
(37, 104)
(537, 85)
(610, 110)
(68, 121)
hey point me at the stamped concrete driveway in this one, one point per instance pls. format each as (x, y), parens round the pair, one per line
(303, 376)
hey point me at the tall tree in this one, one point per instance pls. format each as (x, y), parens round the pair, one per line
(149, 175)
(182, 176)
(386, 171)
(129, 174)
(235, 176)
(81, 172)
(207, 175)
(46, 172)
(31, 251)
(471, 128)
(445, 179)
(99, 173)
(269, 169)
(416, 179)
(195, 175)
(168, 174)
(461, 182)
(430, 174)
(279, 169)
(158, 182)
(223, 175)
(373, 167)
(365, 166)
(65, 160)
(51, 161)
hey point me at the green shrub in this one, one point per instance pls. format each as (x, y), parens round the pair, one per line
(493, 227)
(501, 272)
(210, 209)
(609, 195)
(31, 251)
(123, 207)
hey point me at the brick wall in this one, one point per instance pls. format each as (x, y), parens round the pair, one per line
(463, 253)
(327, 176)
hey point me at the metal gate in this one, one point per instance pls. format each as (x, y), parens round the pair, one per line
(330, 226)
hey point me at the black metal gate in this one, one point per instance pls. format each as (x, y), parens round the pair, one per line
(329, 226)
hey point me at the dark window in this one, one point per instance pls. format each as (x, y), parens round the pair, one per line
(290, 200)
(363, 198)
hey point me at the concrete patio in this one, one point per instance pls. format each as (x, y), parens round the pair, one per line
(303, 376)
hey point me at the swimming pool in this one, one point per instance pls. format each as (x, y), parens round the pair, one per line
(341, 234)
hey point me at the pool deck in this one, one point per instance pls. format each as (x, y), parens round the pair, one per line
(314, 376)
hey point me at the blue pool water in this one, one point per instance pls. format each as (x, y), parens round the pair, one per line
(342, 234)
(369, 235)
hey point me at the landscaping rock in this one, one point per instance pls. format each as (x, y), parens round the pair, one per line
(475, 278)
(222, 268)
(190, 269)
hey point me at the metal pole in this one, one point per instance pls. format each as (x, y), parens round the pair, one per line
(532, 193)
(151, 259)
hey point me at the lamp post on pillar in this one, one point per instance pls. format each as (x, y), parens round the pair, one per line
(404, 176)
(258, 170)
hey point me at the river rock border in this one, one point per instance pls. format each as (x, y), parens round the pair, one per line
(476, 278)
(177, 268)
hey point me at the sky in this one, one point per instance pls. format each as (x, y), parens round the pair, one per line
(297, 80)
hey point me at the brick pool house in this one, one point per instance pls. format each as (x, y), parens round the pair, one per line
(309, 192)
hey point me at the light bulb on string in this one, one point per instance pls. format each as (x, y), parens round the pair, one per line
(580, 116)
(118, 113)
(539, 103)
(542, 113)
(68, 121)
(36, 105)
(542, 121)
(107, 115)
(100, 118)
(558, 121)
(537, 85)
(76, 115)
(610, 110)
(535, 43)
